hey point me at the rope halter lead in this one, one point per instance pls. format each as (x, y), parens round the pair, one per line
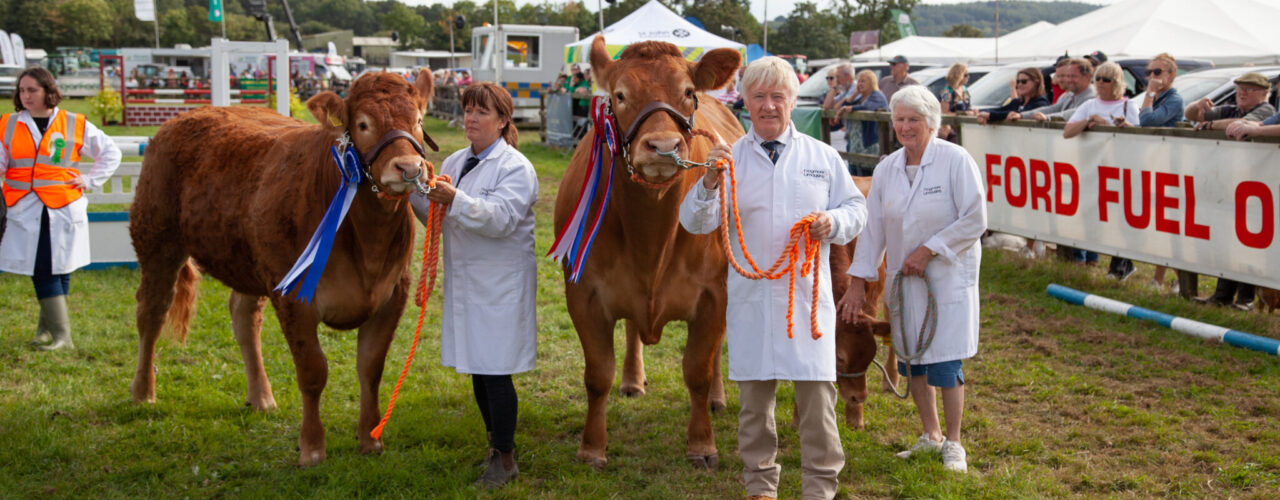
(367, 159)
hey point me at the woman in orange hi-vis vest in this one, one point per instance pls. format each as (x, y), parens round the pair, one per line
(47, 234)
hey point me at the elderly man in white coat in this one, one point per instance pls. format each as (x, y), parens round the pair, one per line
(489, 321)
(47, 234)
(926, 214)
(782, 176)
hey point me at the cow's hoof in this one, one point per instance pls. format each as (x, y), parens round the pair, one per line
(263, 405)
(142, 392)
(314, 457)
(631, 390)
(372, 447)
(705, 462)
(596, 462)
(717, 405)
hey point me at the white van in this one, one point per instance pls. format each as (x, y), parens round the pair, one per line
(531, 60)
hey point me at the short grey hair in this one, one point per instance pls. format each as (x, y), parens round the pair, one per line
(846, 68)
(770, 71)
(918, 98)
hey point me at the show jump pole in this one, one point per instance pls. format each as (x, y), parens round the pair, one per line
(1182, 325)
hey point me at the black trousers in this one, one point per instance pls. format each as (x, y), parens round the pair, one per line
(46, 283)
(1228, 290)
(496, 397)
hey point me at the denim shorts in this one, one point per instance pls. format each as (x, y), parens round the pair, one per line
(946, 374)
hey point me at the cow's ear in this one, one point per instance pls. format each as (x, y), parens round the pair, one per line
(426, 88)
(600, 60)
(716, 68)
(328, 109)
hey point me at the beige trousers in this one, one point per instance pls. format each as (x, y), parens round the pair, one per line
(821, 455)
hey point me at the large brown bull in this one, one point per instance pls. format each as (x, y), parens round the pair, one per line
(644, 268)
(240, 191)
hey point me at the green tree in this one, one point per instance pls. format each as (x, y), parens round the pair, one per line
(962, 31)
(731, 19)
(862, 15)
(812, 32)
(34, 20)
(175, 28)
(407, 23)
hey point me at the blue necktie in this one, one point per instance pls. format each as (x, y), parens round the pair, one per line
(467, 168)
(772, 147)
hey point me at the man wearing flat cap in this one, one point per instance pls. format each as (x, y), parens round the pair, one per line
(897, 77)
(1251, 104)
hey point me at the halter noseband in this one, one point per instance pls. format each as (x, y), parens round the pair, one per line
(385, 141)
(686, 124)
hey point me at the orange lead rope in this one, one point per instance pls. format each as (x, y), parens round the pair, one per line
(426, 284)
(799, 243)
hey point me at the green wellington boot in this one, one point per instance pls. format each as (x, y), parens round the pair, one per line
(42, 332)
(58, 323)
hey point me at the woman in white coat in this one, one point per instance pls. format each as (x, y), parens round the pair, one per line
(926, 212)
(47, 224)
(489, 325)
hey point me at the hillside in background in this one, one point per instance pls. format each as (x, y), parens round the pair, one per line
(933, 20)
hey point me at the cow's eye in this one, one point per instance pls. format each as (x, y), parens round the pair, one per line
(618, 97)
(364, 126)
(688, 93)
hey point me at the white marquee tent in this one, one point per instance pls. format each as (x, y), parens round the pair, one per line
(1227, 32)
(946, 50)
(652, 21)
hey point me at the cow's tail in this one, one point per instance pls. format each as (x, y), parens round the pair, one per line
(178, 318)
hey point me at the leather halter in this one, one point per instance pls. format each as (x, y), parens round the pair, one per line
(394, 134)
(685, 123)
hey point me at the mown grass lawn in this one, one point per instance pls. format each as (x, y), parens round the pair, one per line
(1063, 402)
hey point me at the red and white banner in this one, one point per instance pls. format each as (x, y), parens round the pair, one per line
(1204, 205)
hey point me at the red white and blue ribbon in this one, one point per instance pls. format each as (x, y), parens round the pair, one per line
(573, 244)
(316, 255)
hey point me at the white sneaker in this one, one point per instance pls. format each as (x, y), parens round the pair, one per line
(924, 445)
(953, 457)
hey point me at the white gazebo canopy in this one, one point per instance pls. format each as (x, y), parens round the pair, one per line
(652, 21)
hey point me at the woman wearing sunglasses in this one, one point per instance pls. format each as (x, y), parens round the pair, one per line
(1161, 107)
(1027, 94)
(1111, 107)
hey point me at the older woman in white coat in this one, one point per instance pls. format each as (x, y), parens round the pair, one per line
(489, 324)
(925, 214)
(47, 233)
(782, 176)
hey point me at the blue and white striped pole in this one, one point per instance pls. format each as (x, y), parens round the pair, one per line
(1190, 327)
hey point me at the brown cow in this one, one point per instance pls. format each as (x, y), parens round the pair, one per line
(240, 191)
(644, 268)
(856, 342)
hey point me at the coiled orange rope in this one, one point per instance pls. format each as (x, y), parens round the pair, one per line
(799, 243)
(426, 284)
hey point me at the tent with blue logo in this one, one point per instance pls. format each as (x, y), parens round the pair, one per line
(652, 21)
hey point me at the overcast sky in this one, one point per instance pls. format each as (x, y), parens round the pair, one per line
(776, 7)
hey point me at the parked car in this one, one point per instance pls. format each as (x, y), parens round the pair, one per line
(935, 79)
(9, 79)
(1217, 84)
(993, 90)
(814, 89)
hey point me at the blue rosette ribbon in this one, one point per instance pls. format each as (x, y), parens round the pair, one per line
(316, 255)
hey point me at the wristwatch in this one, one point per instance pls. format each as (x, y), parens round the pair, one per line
(932, 253)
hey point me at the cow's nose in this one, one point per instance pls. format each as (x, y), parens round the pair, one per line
(663, 144)
(409, 168)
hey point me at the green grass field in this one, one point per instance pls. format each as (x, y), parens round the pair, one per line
(1062, 402)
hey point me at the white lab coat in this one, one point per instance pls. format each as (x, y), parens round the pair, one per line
(944, 210)
(810, 176)
(69, 225)
(489, 322)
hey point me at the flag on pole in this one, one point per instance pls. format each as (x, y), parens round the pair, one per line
(145, 10)
(215, 11)
(903, 20)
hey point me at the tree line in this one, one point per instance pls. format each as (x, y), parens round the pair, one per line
(819, 29)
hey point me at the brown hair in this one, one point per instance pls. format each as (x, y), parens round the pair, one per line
(1083, 66)
(45, 79)
(1168, 60)
(1035, 76)
(489, 95)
